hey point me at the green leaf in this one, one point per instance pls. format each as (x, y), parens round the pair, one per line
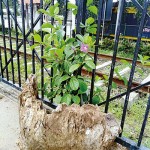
(80, 37)
(140, 56)
(60, 35)
(37, 38)
(117, 72)
(124, 62)
(74, 11)
(72, 6)
(95, 100)
(46, 40)
(47, 25)
(74, 67)
(48, 30)
(56, 11)
(90, 64)
(97, 78)
(68, 52)
(34, 46)
(146, 58)
(55, 81)
(114, 85)
(82, 54)
(125, 81)
(57, 99)
(94, 26)
(93, 9)
(63, 78)
(83, 86)
(106, 77)
(89, 21)
(51, 11)
(59, 53)
(56, 4)
(52, 52)
(58, 18)
(69, 40)
(88, 40)
(76, 99)
(66, 66)
(74, 83)
(66, 99)
(92, 30)
(43, 11)
(89, 2)
(51, 94)
(82, 25)
(147, 63)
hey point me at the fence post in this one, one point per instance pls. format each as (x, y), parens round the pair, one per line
(117, 34)
(100, 6)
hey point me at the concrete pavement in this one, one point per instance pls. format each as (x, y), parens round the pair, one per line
(9, 118)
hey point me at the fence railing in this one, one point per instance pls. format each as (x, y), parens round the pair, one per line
(17, 61)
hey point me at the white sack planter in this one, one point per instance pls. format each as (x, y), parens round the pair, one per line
(66, 128)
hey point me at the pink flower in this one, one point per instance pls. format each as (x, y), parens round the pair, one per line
(84, 48)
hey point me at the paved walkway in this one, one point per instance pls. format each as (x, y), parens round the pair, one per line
(9, 122)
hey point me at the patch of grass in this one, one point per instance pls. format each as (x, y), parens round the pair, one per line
(134, 119)
(119, 54)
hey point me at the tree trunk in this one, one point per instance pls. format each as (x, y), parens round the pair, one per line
(66, 128)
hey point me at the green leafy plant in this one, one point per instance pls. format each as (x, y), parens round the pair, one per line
(145, 60)
(144, 49)
(126, 46)
(67, 57)
(107, 44)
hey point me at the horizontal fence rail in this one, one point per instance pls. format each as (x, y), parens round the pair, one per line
(17, 60)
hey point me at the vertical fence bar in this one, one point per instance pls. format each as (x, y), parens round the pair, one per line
(117, 34)
(144, 122)
(104, 16)
(4, 40)
(52, 19)
(96, 46)
(134, 62)
(16, 29)
(42, 53)
(79, 15)
(52, 22)
(24, 38)
(84, 15)
(10, 41)
(65, 17)
(32, 40)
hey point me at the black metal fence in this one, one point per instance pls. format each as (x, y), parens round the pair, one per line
(16, 63)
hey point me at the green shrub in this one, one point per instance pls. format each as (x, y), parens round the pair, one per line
(126, 45)
(107, 44)
(145, 49)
